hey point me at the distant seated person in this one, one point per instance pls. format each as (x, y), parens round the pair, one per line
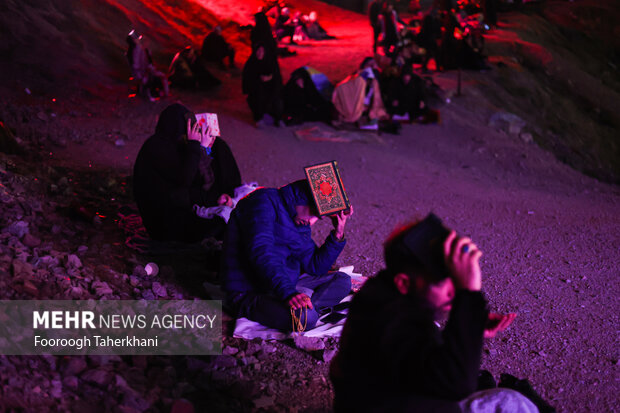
(180, 166)
(216, 49)
(393, 355)
(188, 72)
(357, 98)
(270, 262)
(284, 26)
(151, 82)
(314, 30)
(302, 100)
(262, 83)
(299, 23)
(406, 98)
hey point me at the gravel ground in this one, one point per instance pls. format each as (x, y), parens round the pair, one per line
(549, 236)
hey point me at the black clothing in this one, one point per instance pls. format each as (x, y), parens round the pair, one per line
(185, 73)
(261, 34)
(316, 32)
(374, 9)
(263, 96)
(216, 49)
(172, 174)
(390, 32)
(304, 104)
(409, 96)
(394, 358)
(428, 36)
(284, 27)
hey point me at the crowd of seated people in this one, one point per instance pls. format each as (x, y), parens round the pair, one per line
(444, 34)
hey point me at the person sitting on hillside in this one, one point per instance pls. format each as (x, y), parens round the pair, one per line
(357, 98)
(406, 98)
(188, 71)
(429, 35)
(178, 167)
(284, 26)
(314, 29)
(216, 49)
(302, 100)
(262, 82)
(270, 260)
(151, 82)
(394, 357)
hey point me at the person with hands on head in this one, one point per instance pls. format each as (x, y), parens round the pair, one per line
(393, 355)
(180, 166)
(271, 266)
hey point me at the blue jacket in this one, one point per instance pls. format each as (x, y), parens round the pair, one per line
(265, 252)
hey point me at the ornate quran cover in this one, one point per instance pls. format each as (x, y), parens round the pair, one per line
(327, 188)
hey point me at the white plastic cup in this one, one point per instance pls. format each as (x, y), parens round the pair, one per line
(151, 269)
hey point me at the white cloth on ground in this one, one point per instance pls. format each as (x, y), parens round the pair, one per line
(224, 211)
(248, 329)
(498, 400)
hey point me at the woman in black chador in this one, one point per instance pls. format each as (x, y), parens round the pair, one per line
(302, 101)
(178, 167)
(262, 82)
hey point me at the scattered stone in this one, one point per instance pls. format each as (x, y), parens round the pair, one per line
(139, 271)
(74, 366)
(31, 241)
(224, 361)
(70, 382)
(308, 343)
(527, 137)
(230, 351)
(21, 269)
(98, 376)
(248, 360)
(19, 229)
(182, 406)
(264, 402)
(56, 390)
(30, 288)
(73, 261)
(159, 290)
(101, 288)
(328, 355)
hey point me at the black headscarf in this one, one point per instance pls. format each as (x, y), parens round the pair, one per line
(262, 33)
(171, 174)
(255, 67)
(172, 123)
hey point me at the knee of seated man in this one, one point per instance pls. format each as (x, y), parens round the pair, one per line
(311, 317)
(342, 280)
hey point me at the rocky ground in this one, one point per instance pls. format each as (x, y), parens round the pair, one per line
(549, 232)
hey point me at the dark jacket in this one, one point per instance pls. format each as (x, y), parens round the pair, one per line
(214, 47)
(304, 104)
(265, 251)
(172, 174)
(408, 95)
(394, 358)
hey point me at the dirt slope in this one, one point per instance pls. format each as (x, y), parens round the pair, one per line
(549, 233)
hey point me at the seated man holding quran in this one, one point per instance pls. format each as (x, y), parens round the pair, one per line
(273, 272)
